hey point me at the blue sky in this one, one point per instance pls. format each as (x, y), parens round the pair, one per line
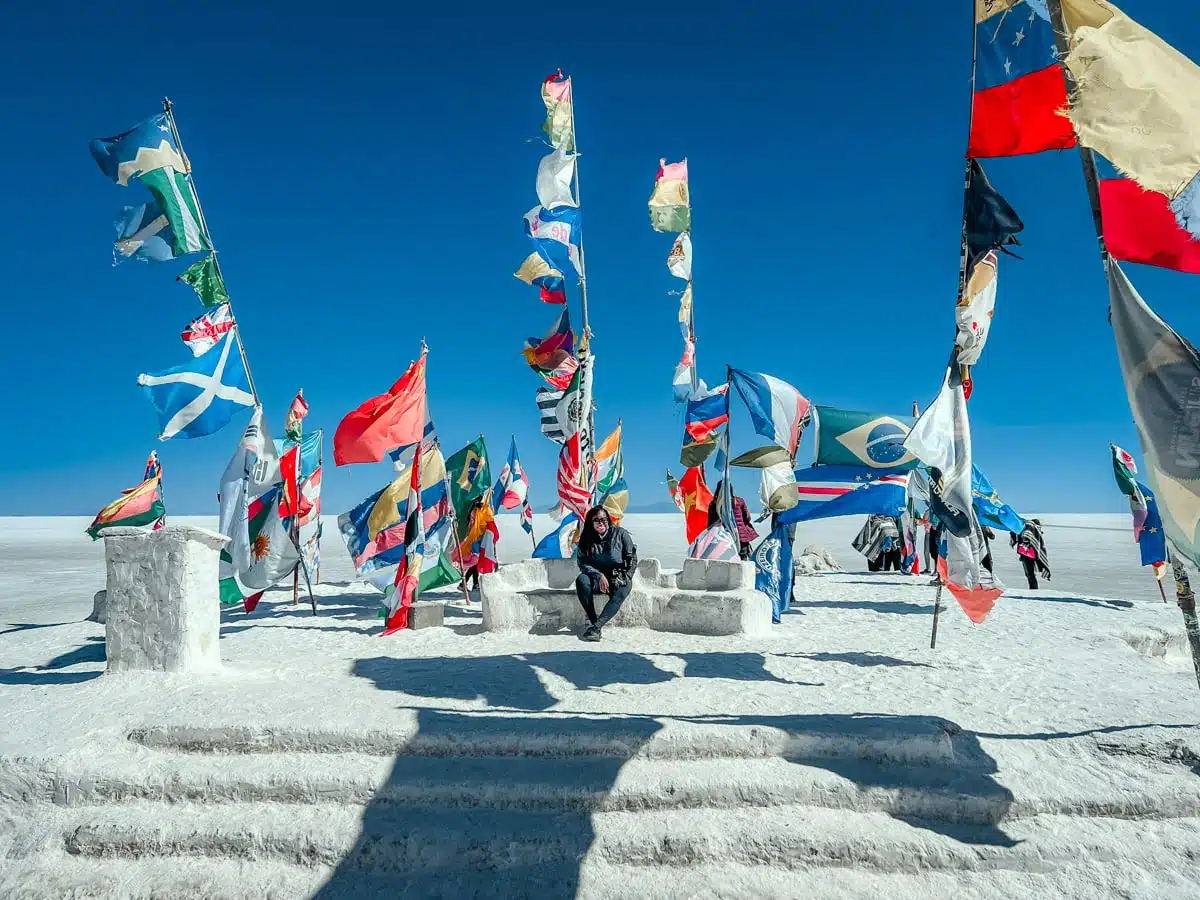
(364, 174)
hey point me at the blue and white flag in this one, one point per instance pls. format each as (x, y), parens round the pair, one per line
(147, 146)
(776, 408)
(827, 491)
(143, 232)
(560, 543)
(774, 572)
(556, 235)
(989, 508)
(1151, 539)
(201, 397)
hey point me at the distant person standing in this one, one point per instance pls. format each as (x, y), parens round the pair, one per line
(988, 537)
(746, 535)
(1031, 549)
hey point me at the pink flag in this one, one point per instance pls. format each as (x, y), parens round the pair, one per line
(202, 334)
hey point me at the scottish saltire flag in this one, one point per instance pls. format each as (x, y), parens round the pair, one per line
(715, 542)
(990, 509)
(203, 333)
(538, 273)
(828, 491)
(512, 487)
(850, 438)
(202, 397)
(143, 232)
(774, 572)
(560, 543)
(555, 234)
(1019, 87)
(776, 408)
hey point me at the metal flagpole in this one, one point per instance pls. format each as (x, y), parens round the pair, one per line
(585, 352)
(168, 108)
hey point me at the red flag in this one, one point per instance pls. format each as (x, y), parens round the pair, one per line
(574, 485)
(292, 499)
(399, 597)
(696, 500)
(385, 422)
(1141, 227)
(975, 602)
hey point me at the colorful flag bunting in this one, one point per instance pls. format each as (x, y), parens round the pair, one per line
(536, 272)
(197, 399)
(143, 232)
(1162, 380)
(385, 422)
(560, 112)
(555, 234)
(827, 491)
(975, 309)
(555, 177)
(670, 204)
(1019, 87)
(205, 279)
(850, 438)
(203, 333)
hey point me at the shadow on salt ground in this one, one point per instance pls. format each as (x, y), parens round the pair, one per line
(1063, 735)
(91, 652)
(29, 626)
(866, 660)
(734, 666)
(1117, 605)
(897, 607)
(481, 822)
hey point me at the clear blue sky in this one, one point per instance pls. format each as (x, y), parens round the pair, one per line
(364, 170)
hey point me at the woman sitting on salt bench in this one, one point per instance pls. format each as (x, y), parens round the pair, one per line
(607, 559)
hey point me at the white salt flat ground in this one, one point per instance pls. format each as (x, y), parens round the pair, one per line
(1050, 752)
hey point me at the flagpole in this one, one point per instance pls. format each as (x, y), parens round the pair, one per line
(937, 608)
(169, 109)
(585, 353)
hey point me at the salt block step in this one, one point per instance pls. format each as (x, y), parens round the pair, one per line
(385, 839)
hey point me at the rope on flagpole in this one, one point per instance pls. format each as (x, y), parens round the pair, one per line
(169, 109)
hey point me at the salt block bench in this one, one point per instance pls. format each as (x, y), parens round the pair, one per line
(711, 597)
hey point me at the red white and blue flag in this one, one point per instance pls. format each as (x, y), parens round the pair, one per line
(1019, 85)
(204, 333)
(575, 477)
(512, 489)
(827, 491)
(400, 596)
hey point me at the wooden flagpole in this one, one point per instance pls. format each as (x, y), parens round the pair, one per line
(937, 608)
(169, 109)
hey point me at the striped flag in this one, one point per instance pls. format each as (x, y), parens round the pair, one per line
(561, 410)
(203, 333)
(827, 491)
(574, 477)
(399, 598)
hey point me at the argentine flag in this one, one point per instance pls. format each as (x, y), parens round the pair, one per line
(200, 397)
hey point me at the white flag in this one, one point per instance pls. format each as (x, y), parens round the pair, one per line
(555, 174)
(974, 313)
(680, 259)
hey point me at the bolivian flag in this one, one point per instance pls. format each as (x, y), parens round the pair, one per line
(142, 505)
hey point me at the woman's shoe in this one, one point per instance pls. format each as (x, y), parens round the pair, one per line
(591, 634)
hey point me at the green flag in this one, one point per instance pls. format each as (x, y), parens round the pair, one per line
(205, 280)
(470, 477)
(846, 437)
(177, 199)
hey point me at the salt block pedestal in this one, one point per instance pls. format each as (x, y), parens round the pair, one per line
(163, 610)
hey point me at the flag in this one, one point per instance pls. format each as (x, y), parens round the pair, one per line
(556, 234)
(512, 487)
(670, 205)
(974, 313)
(406, 585)
(562, 543)
(293, 426)
(774, 572)
(141, 505)
(828, 491)
(991, 223)
(706, 411)
(1136, 100)
(201, 397)
(175, 196)
(574, 478)
(989, 508)
(696, 499)
(685, 312)
(555, 176)
(1124, 470)
(673, 490)
(777, 486)
(143, 232)
(560, 111)
(478, 547)
(849, 438)
(1019, 87)
(153, 466)
(615, 500)
(1162, 381)
(561, 410)
(402, 456)
(777, 409)
(205, 279)
(538, 273)
(385, 422)
(1145, 227)
(941, 439)
(681, 382)
(610, 462)
(148, 146)
(203, 333)
(271, 553)
(1151, 538)
(680, 259)
(549, 352)
(470, 476)
(293, 502)
(716, 542)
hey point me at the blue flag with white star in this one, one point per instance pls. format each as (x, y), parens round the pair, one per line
(202, 396)
(989, 508)
(1152, 540)
(147, 146)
